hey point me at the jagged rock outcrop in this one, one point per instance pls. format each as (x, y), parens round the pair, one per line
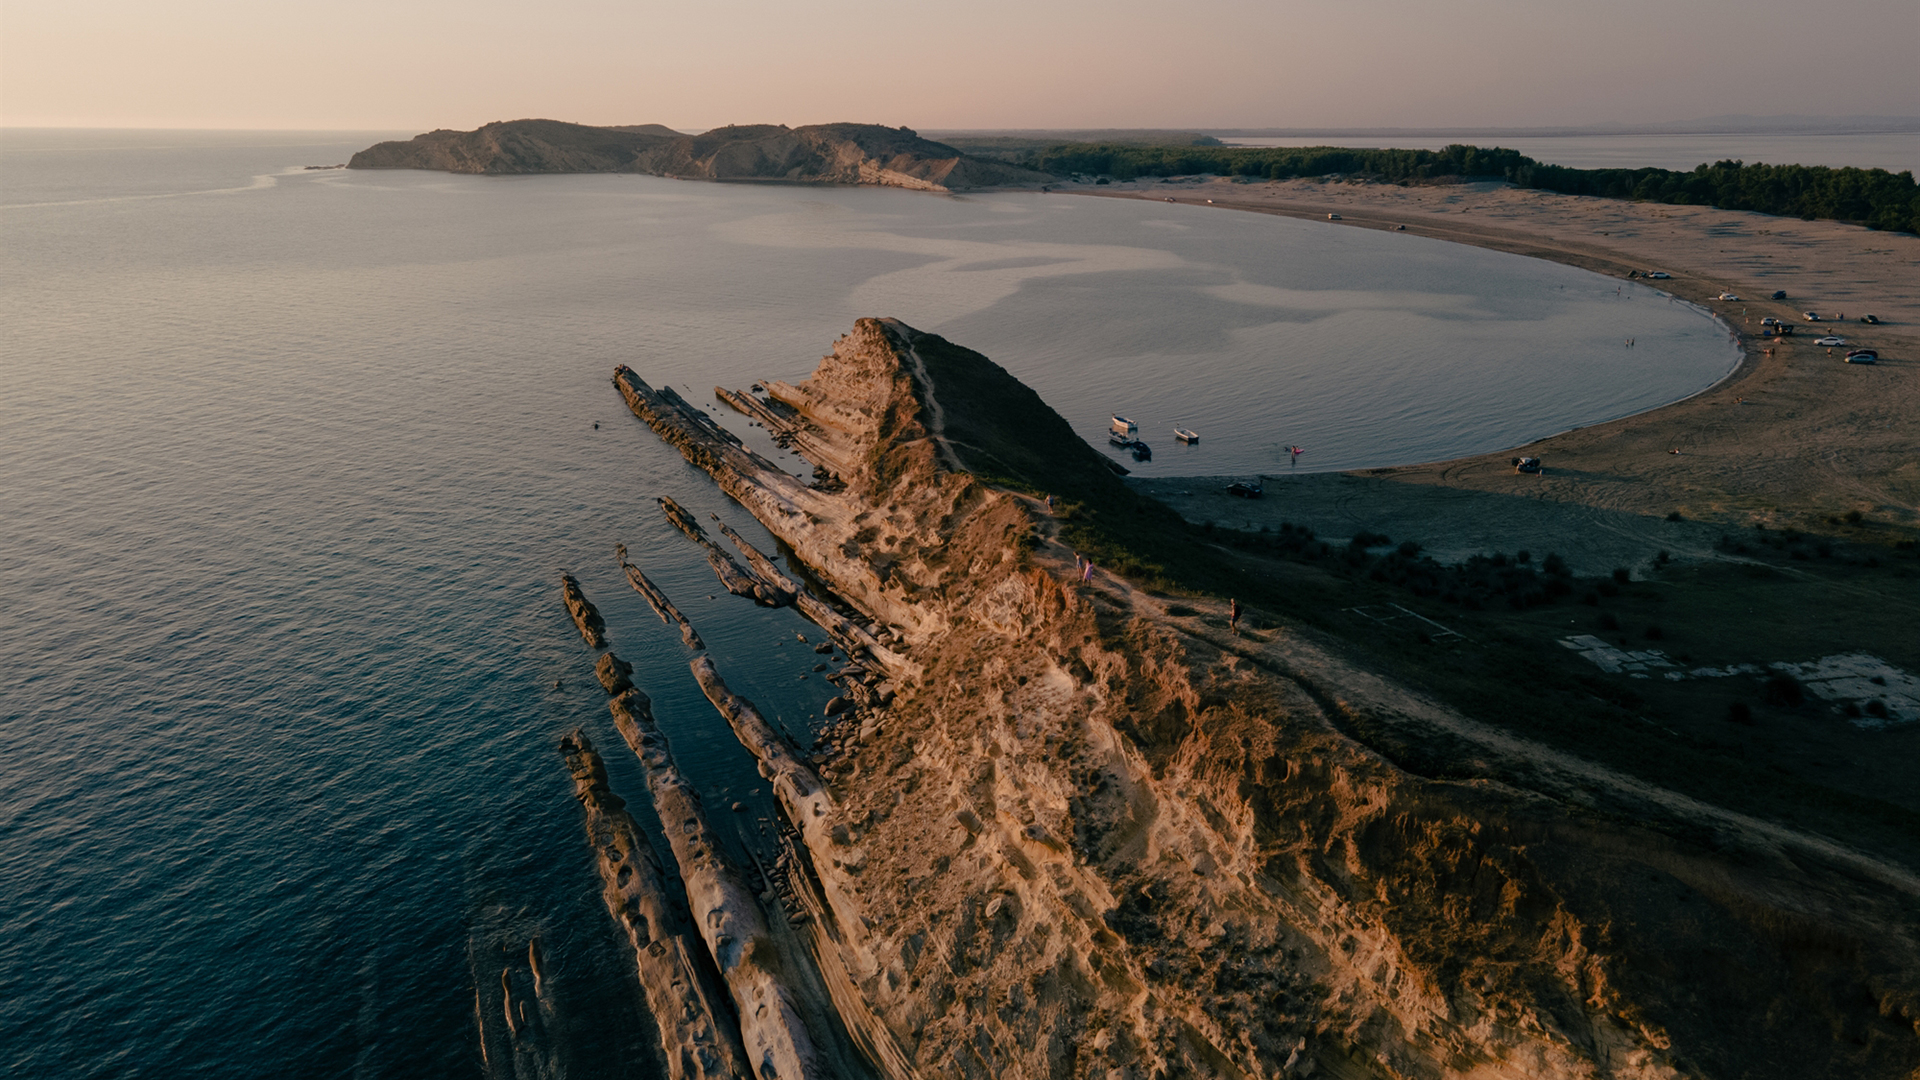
(699, 1039)
(732, 578)
(657, 600)
(586, 617)
(817, 154)
(1089, 840)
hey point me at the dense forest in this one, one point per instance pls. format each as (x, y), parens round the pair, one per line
(1872, 197)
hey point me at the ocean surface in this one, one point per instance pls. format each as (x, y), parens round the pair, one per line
(1894, 152)
(291, 462)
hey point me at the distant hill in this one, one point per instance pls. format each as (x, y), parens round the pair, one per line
(817, 154)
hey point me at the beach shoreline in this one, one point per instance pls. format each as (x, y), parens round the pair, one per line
(1791, 437)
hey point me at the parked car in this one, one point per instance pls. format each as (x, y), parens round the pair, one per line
(1333, 217)
(1659, 275)
(1769, 321)
(1863, 356)
(1810, 316)
(1874, 319)
(1830, 341)
(1780, 294)
(1726, 296)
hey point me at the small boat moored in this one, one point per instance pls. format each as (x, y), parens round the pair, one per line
(1141, 451)
(1186, 435)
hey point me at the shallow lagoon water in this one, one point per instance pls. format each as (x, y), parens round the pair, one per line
(293, 460)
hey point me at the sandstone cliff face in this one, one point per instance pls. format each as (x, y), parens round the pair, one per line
(1090, 838)
(819, 154)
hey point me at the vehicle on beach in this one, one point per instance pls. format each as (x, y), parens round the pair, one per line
(1186, 435)
(1863, 356)
(1245, 490)
(1830, 341)
(1333, 217)
(1726, 296)
(1778, 329)
(1528, 465)
(1873, 319)
(1810, 316)
(1779, 294)
(1659, 275)
(1769, 321)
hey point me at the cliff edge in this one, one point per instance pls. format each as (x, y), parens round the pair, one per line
(1099, 834)
(816, 154)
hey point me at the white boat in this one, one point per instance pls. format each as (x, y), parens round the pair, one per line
(1123, 428)
(1186, 436)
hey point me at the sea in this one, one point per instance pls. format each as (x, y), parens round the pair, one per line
(292, 460)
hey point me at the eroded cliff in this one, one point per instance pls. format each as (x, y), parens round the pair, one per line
(1089, 835)
(820, 154)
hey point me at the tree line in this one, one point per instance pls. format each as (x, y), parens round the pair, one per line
(1875, 198)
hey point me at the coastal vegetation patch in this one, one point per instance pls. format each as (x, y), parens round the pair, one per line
(1874, 198)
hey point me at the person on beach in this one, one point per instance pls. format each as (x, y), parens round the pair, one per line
(1233, 615)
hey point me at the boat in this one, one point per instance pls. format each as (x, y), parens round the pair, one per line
(1119, 440)
(1141, 451)
(1186, 436)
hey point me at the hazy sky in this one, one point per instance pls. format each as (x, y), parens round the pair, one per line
(418, 64)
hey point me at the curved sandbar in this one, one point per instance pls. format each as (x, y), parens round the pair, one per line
(1792, 437)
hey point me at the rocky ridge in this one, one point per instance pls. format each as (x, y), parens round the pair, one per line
(1087, 838)
(815, 154)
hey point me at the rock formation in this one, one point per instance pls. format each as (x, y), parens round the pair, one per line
(585, 616)
(732, 578)
(1084, 838)
(769, 986)
(698, 1037)
(817, 154)
(656, 599)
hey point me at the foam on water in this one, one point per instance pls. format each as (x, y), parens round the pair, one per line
(291, 470)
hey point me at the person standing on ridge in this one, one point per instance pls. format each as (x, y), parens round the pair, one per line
(1233, 615)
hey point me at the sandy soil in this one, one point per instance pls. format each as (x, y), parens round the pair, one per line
(1793, 437)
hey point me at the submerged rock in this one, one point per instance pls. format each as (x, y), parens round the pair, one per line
(585, 616)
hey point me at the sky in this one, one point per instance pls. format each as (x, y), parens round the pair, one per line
(413, 65)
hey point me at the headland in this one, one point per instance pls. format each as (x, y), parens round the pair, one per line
(1101, 824)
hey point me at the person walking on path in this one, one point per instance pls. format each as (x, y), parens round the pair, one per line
(1086, 573)
(1233, 615)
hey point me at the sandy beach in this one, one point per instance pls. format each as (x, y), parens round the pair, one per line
(1794, 437)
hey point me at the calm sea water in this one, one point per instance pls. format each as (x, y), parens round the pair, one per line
(290, 463)
(1895, 152)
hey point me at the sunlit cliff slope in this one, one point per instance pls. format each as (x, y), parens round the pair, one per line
(1095, 833)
